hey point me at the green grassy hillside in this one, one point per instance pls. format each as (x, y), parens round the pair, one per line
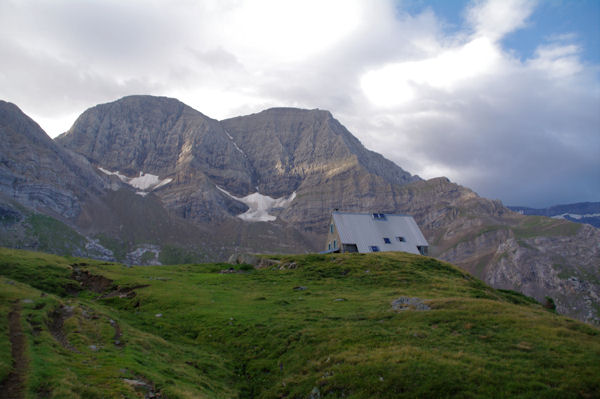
(303, 327)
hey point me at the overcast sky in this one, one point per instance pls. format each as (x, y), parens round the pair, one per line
(501, 96)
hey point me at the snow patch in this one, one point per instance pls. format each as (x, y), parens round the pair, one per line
(108, 172)
(234, 144)
(576, 216)
(260, 205)
(145, 182)
(163, 183)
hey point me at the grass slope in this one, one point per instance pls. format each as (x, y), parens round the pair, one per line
(306, 326)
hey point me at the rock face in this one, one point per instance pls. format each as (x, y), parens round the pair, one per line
(36, 172)
(311, 153)
(168, 175)
(166, 138)
(538, 256)
(276, 153)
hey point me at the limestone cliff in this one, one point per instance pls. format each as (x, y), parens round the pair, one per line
(311, 153)
(166, 138)
(538, 256)
(39, 174)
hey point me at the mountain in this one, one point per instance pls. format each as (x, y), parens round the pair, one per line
(185, 187)
(44, 188)
(275, 153)
(582, 212)
(385, 325)
(36, 172)
(143, 135)
(538, 256)
(55, 200)
(310, 153)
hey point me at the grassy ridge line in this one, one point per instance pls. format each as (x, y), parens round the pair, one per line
(317, 324)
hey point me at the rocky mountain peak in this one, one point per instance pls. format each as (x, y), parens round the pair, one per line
(38, 173)
(158, 135)
(289, 146)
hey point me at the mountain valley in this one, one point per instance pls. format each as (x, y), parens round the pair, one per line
(149, 180)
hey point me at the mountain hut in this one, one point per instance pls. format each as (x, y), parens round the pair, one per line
(374, 232)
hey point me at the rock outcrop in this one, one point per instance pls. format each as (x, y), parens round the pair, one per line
(538, 256)
(38, 173)
(166, 138)
(311, 153)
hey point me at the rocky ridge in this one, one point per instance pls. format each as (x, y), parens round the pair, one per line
(582, 212)
(538, 256)
(313, 165)
(38, 173)
(164, 137)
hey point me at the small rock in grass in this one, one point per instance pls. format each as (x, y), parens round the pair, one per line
(299, 288)
(158, 315)
(406, 303)
(27, 300)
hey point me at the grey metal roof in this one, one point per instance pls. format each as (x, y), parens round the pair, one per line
(365, 231)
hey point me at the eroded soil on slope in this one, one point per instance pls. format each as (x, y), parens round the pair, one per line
(13, 386)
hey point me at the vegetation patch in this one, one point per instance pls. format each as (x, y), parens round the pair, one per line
(325, 327)
(534, 226)
(147, 257)
(118, 247)
(170, 255)
(53, 235)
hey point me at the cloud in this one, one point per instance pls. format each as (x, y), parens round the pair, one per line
(494, 19)
(455, 103)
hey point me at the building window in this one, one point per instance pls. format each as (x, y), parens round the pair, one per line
(386, 240)
(349, 248)
(334, 244)
(379, 216)
(374, 248)
(329, 246)
(401, 239)
(331, 228)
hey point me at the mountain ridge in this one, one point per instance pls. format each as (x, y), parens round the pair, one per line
(580, 212)
(308, 153)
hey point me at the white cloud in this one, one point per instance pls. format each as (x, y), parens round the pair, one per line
(436, 103)
(496, 18)
(556, 60)
(398, 83)
(288, 31)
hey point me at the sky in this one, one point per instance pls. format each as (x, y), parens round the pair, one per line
(501, 96)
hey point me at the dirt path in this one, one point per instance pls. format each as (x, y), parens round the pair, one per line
(55, 326)
(13, 387)
(118, 334)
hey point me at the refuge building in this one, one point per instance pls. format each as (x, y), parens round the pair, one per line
(374, 232)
